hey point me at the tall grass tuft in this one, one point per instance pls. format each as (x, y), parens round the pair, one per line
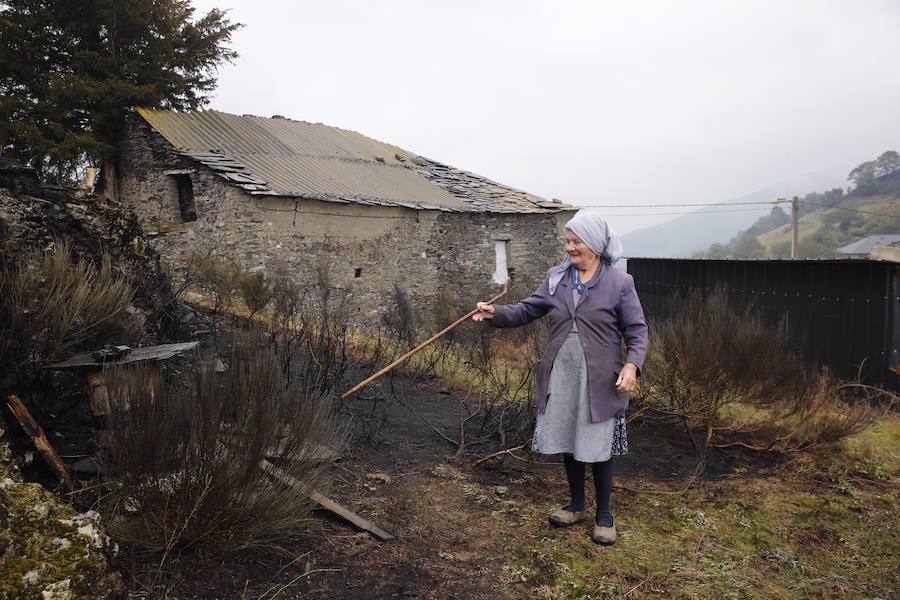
(51, 304)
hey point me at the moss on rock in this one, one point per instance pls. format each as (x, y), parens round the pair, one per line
(47, 549)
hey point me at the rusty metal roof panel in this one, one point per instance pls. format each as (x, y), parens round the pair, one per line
(284, 157)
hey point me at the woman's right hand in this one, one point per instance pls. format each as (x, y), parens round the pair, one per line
(483, 312)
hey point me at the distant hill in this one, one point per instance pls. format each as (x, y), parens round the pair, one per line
(828, 220)
(823, 231)
(696, 231)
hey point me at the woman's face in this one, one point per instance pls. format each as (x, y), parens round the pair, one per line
(581, 256)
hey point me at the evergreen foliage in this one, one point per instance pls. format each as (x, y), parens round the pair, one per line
(869, 176)
(71, 69)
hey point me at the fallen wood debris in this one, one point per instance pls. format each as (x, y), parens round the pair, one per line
(40, 440)
(328, 504)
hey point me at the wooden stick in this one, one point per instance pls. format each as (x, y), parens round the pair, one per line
(509, 451)
(424, 344)
(351, 516)
(40, 440)
(327, 503)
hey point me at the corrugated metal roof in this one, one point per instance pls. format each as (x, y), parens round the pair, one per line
(867, 244)
(283, 157)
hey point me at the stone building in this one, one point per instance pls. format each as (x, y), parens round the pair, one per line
(274, 191)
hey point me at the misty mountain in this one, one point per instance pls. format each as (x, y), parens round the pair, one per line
(696, 231)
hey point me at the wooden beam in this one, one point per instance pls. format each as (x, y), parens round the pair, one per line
(40, 440)
(328, 504)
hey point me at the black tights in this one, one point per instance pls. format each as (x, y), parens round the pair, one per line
(602, 472)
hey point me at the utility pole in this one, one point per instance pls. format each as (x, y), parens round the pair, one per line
(795, 227)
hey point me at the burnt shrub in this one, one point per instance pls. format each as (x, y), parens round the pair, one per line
(402, 319)
(724, 371)
(194, 452)
(309, 331)
(255, 291)
(502, 403)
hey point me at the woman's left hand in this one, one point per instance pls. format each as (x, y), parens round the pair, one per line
(627, 378)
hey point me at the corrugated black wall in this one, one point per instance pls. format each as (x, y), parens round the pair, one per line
(844, 313)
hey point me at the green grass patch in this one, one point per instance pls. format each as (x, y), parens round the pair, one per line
(817, 527)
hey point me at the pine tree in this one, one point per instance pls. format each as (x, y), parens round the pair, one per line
(71, 69)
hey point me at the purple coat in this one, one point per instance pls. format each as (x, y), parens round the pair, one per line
(609, 312)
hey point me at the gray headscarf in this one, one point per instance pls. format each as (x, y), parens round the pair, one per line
(599, 237)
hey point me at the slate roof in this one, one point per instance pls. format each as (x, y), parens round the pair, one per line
(867, 244)
(282, 157)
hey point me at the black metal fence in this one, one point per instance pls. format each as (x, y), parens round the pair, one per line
(845, 314)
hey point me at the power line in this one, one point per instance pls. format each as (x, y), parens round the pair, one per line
(856, 210)
(768, 202)
(687, 212)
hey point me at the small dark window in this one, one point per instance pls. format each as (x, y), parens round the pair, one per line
(186, 198)
(357, 273)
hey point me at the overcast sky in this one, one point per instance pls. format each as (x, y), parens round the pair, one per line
(591, 102)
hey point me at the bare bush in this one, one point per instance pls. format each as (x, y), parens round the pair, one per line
(503, 402)
(51, 304)
(445, 310)
(824, 411)
(402, 318)
(255, 291)
(190, 447)
(494, 396)
(723, 371)
(309, 332)
(218, 277)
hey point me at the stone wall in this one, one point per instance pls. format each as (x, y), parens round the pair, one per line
(367, 249)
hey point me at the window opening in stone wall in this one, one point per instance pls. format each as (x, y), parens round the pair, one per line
(357, 273)
(500, 272)
(185, 197)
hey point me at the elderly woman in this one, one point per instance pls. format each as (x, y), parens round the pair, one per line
(582, 379)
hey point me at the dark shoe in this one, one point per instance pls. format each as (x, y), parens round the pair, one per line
(564, 518)
(605, 536)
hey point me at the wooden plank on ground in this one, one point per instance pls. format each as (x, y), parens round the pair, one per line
(135, 355)
(328, 504)
(40, 440)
